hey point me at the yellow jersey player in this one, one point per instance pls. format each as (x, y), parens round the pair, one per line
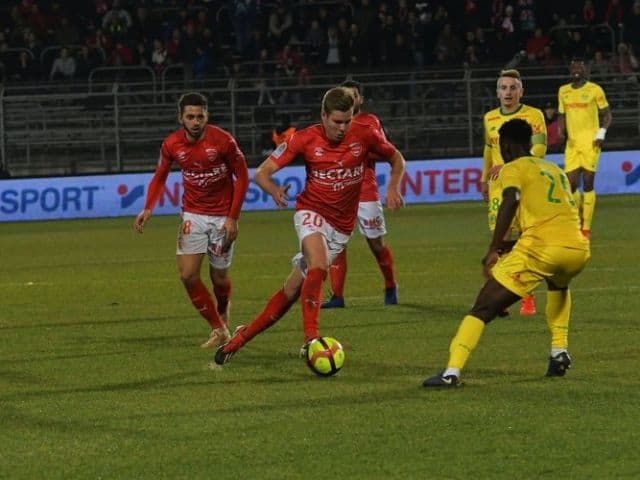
(550, 249)
(583, 118)
(509, 91)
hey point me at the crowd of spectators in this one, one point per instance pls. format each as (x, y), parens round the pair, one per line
(54, 40)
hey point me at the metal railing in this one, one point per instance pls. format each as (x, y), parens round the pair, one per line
(118, 127)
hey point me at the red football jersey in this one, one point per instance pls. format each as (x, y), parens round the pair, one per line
(334, 170)
(369, 192)
(208, 169)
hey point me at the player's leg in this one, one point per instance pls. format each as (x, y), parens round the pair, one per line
(372, 225)
(338, 275)
(219, 265)
(316, 256)
(192, 245)
(491, 301)
(277, 306)
(558, 313)
(384, 257)
(570, 262)
(588, 202)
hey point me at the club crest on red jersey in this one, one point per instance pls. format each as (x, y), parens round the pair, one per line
(356, 149)
(212, 153)
(318, 151)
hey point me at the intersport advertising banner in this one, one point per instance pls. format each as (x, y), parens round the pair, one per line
(425, 181)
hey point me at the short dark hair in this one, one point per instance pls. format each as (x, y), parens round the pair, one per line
(352, 84)
(192, 98)
(516, 131)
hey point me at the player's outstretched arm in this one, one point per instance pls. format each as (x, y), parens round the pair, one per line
(263, 178)
(394, 198)
(141, 220)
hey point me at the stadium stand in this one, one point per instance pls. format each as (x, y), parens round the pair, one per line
(428, 68)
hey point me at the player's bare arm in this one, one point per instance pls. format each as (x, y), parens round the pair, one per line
(604, 117)
(506, 213)
(562, 128)
(141, 220)
(263, 178)
(394, 198)
(230, 228)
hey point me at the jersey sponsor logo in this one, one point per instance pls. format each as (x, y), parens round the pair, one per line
(318, 151)
(576, 105)
(277, 153)
(356, 149)
(632, 175)
(128, 198)
(339, 174)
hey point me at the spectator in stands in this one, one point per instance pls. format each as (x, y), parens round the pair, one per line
(428, 33)
(26, 69)
(117, 21)
(632, 27)
(85, 62)
(242, 17)
(615, 17)
(551, 120)
(66, 33)
(364, 15)
(316, 42)
(357, 47)
(36, 20)
(159, 56)
(526, 18)
(599, 66)
(174, 46)
(32, 43)
(589, 13)
(64, 67)
(448, 46)
(121, 55)
(280, 23)
(143, 27)
(333, 54)
(536, 44)
(203, 64)
(576, 46)
(625, 62)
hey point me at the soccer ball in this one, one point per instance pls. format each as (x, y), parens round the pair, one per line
(325, 356)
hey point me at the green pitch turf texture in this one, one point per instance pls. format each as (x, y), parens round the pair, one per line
(101, 375)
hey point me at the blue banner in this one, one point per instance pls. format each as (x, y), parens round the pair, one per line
(425, 181)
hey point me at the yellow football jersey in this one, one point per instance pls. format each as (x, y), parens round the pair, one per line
(580, 107)
(547, 213)
(494, 119)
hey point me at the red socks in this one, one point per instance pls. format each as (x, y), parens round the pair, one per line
(203, 301)
(338, 273)
(311, 296)
(385, 262)
(222, 296)
(275, 309)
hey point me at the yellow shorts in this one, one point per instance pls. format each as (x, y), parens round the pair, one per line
(523, 269)
(584, 156)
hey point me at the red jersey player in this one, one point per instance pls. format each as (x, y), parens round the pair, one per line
(335, 154)
(371, 221)
(215, 179)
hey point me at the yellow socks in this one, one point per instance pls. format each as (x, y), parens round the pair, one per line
(558, 312)
(588, 206)
(465, 341)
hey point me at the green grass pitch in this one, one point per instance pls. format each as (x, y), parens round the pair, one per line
(101, 375)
